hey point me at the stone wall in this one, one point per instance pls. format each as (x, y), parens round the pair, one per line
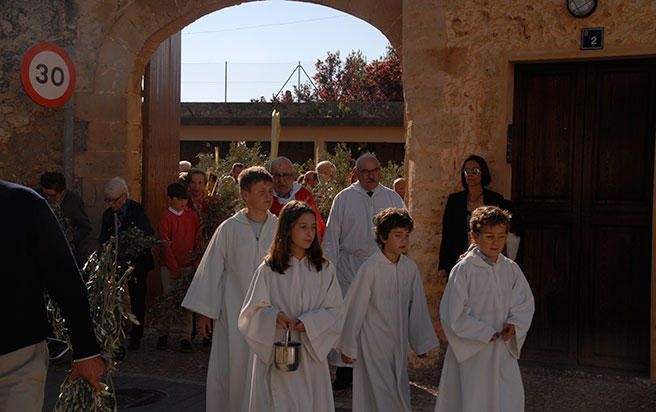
(31, 137)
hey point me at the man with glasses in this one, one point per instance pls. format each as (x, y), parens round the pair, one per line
(71, 206)
(349, 239)
(122, 214)
(285, 189)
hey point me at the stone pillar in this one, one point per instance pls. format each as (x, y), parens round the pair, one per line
(430, 137)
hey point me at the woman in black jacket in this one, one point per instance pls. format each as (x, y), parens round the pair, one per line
(475, 176)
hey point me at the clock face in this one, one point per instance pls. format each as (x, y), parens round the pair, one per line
(581, 8)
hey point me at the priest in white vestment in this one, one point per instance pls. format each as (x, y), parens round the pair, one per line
(386, 316)
(349, 238)
(219, 286)
(481, 372)
(315, 299)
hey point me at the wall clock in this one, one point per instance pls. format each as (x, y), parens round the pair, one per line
(581, 8)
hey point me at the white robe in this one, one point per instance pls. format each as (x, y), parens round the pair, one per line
(349, 239)
(479, 375)
(315, 299)
(386, 315)
(217, 291)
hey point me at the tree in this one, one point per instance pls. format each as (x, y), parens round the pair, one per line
(354, 79)
(350, 80)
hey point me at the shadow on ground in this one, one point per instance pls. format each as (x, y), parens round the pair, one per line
(181, 377)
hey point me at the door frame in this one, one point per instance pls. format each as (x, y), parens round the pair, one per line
(515, 58)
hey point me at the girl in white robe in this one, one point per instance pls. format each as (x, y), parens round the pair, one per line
(486, 311)
(386, 316)
(295, 288)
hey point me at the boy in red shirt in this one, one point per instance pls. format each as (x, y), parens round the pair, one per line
(179, 229)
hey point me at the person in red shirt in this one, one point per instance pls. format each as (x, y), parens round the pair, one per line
(285, 189)
(179, 229)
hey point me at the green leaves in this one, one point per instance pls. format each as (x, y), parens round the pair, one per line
(109, 307)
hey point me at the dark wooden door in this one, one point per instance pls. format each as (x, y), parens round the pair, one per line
(583, 149)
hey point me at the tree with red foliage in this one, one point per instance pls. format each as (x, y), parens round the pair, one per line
(355, 79)
(351, 80)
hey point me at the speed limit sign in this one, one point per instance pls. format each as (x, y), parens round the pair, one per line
(48, 75)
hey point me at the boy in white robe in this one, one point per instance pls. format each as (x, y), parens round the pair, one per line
(295, 288)
(220, 285)
(386, 316)
(349, 240)
(486, 312)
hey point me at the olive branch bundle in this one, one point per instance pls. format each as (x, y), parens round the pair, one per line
(109, 304)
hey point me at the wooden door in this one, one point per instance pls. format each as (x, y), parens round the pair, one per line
(161, 136)
(583, 140)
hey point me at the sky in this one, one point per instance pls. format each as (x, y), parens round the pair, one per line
(263, 42)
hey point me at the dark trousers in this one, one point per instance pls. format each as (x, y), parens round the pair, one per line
(137, 288)
(344, 375)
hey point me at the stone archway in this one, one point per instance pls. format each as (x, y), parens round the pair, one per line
(111, 102)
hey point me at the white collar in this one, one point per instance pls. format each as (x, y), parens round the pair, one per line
(292, 195)
(175, 212)
(362, 190)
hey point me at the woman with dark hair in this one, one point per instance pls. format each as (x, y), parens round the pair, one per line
(474, 176)
(295, 289)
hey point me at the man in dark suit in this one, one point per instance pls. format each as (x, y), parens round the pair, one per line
(36, 258)
(124, 213)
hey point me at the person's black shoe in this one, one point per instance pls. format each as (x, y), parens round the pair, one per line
(343, 378)
(341, 384)
(185, 346)
(162, 342)
(134, 344)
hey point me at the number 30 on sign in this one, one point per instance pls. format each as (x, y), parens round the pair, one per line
(48, 75)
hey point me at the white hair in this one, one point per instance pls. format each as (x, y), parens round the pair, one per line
(325, 163)
(116, 186)
(184, 165)
(364, 157)
(279, 160)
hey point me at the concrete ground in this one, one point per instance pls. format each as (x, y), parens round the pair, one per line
(181, 379)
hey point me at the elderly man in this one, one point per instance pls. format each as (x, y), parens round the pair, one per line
(285, 189)
(326, 171)
(349, 238)
(124, 213)
(36, 259)
(399, 187)
(53, 187)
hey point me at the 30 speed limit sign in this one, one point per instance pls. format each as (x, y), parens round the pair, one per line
(48, 75)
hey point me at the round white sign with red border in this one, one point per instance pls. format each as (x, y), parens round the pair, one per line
(48, 75)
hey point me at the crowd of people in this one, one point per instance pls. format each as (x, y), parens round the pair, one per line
(345, 289)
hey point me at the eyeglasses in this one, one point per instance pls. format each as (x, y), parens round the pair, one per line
(110, 200)
(369, 171)
(473, 171)
(282, 175)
